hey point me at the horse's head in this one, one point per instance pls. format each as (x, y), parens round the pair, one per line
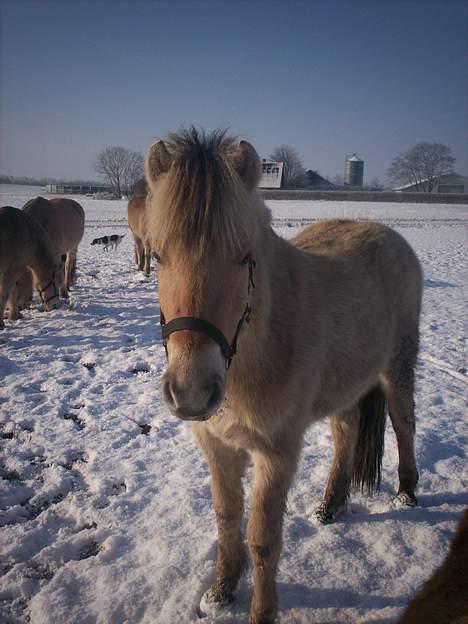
(204, 218)
(48, 281)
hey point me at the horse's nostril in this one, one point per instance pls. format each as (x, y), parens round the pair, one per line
(215, 395)
(192, 401)
(168, 393)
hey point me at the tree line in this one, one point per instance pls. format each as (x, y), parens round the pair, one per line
(421, 165)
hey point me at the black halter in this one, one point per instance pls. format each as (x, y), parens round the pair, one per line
(42, 290)
(205, 327)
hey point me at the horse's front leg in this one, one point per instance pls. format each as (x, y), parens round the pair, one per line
(13, 310)
(273, 473)
(227, 467)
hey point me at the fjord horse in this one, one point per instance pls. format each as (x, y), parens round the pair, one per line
(263, 337)
(63, 221)
(138, 227)
(24, 246)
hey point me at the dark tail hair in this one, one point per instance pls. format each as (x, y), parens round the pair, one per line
(367, 467)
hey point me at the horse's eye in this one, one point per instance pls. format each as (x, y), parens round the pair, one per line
(156, 257)
(246, 259)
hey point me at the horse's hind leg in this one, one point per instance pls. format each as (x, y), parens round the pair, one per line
(7, 282)
(227, 467)
(70, 263)
(139, 253)
(399, 389)
(73, 268)
(345, 428)
(147, 254)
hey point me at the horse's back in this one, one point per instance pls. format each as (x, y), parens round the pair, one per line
(368, 251)
(71, 213)
(344, 237)
(15, 226)
(18, 234)
(62, 219)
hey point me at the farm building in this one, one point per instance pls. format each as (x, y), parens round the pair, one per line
(446, 183)
(272, 172)
(77, 189)
(354, 170)
(314, 180)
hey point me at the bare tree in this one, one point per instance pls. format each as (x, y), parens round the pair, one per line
(120, 167)
(133, 172)
(293, 169)
(421, 165)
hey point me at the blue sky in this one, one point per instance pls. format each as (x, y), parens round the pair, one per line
(329, 78)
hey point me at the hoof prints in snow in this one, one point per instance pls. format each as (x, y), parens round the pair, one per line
(90, 550)
(141, 368)
(39, 571)
(119, 506)
(145, 429)
(79, 422)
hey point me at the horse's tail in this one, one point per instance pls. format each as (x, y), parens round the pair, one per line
(370, 444)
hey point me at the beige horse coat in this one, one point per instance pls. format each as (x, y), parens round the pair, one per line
(24, 246)
(137, 222)
(63, 221)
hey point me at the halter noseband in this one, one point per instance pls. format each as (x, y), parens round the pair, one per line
(205, 327)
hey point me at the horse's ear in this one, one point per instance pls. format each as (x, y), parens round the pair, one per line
(158, 161)
(247, 164)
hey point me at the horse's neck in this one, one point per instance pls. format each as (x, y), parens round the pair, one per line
(275, 306)
(41, 255)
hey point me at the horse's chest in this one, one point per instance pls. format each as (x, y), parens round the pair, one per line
(241, 428)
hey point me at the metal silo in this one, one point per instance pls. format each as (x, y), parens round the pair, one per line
(354, 170)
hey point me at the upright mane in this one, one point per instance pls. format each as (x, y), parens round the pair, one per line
(202, 201)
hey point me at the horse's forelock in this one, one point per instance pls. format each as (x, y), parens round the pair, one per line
(202, 202)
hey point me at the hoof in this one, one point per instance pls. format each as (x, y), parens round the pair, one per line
(214, 600)
(405, 499)
(268, 617)
(326, 515)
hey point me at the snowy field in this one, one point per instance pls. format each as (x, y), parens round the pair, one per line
(105, 505)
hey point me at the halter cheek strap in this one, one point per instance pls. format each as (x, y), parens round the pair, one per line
(43, 290)
(205, 327)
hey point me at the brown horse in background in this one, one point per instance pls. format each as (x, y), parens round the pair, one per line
(138, 226)
(63, 221)
(444, 598)
(24, 246)
(323, 326)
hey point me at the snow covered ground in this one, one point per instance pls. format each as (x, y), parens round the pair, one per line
(105, 506)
